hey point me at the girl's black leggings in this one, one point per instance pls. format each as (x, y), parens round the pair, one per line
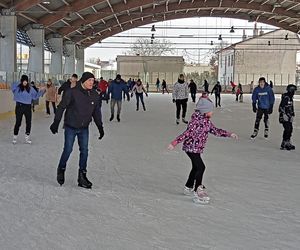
(23, 109)
(196, 174)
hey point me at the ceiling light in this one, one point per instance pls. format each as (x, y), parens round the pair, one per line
(211, 43)
(277, 4)
(286, 37)
(153, 28)
(46, 2)
(269, 43)
(152, 37)
(220, 38)
(68, 17)
(232, 29)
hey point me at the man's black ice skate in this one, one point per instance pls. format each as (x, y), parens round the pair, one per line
(118, 118)
(83, 180)
(289, 146)
(266, 134)
(111, 118)
(255, 133)
(61, 176)
(184, 121)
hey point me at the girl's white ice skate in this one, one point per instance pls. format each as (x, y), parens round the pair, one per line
(201, 197)
(188, 191)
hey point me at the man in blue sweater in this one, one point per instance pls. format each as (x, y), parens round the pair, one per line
(115, 89)
(262, 103)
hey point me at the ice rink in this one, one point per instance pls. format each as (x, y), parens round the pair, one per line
(137, 201)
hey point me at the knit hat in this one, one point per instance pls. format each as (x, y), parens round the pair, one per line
(85, 76)
(24, 78)
(118, 77)
(204, 105)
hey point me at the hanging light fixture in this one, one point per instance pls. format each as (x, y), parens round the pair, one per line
(220, 38)
(151, 41)
(232, 29)
(152, 36)
(269, 43)
(153, 28)
(286, 37)
(68, 17)
(211, 43)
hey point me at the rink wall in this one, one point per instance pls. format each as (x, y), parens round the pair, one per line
(7, 103)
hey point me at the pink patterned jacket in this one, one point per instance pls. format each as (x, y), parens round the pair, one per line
(195, 137)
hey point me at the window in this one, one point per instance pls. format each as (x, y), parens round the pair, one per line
(229, 60)
(232, 60)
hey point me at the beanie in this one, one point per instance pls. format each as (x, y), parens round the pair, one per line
(204, 105)
(118, 77)
(24, 78)
(85, 76)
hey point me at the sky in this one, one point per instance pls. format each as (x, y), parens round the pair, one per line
(210, 27)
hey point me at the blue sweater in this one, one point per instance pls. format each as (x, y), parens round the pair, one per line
(116, 89)
(264, 97)
(24, 96)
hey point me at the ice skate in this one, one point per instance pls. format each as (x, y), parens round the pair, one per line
(200, 196)
(255, 133)
(177, 121)
(14, 141)
(289, 146)
(118, 118)
(83, 180)
(188, 191)
(266, 134)
(60, 176)
(27, 139)
(184, 121)
(111, 118)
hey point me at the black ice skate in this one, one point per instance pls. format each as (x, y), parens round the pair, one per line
(111, 118)
(83, 180)
(289, 146)
(118, 118)
(61, 176)
(255, 133)
(184, 121)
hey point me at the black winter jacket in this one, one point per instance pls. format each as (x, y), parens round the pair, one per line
(81, 106)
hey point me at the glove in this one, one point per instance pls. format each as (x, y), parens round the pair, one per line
(101, 131)
(54, 127)
(146, 94)
(174, 100)
(270, 110)
(254, 108)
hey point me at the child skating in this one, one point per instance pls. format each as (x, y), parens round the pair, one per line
(194, 140)
(286, 116)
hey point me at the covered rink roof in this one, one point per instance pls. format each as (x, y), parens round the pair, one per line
(89, 21)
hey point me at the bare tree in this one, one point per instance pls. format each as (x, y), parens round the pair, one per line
(144, 47)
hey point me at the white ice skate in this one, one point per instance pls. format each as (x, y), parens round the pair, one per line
(27, 139)
(188, 191)
(14, 141)
(201, 197)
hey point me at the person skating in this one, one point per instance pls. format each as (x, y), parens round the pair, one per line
(194, 140)
(206, 86)
(286, 116)
(139, 91)
(239, 93)
(147, 87)
(157, 85)
(164, 87)
(193, 89)
(82, 103)
(233, 85)
(51, 97)
(217, 89)
(69, 84)
(102, 87)
(24, 94)
(115, 89)
(262, 104)
(180, 97)
(34, 102)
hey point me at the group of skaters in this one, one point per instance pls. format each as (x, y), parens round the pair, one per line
(81, 103)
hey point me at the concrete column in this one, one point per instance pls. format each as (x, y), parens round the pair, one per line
(8, 43)
(56, 58)
(80, 61)
(36, 53)
(70, 58)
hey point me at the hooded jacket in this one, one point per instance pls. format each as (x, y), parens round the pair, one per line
(180, 90)
(81, 106)
(195, 137)
(116, 89)
(51, 93)
(264, 97)
(286, 108)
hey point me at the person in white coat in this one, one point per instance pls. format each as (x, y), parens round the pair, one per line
(180, 97)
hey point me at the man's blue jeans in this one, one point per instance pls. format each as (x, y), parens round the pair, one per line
(83, 141)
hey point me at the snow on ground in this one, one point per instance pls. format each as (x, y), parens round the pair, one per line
(136, 201)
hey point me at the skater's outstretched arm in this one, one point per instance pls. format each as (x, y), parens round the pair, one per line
(219, 132)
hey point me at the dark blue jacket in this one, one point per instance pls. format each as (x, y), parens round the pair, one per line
(116, 89)
(264, 97)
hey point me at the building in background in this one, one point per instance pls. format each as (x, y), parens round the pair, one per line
(272, 55)
(149, 68)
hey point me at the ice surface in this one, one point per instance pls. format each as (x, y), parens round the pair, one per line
(136, 201)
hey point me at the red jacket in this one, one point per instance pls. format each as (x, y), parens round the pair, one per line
(103, 85)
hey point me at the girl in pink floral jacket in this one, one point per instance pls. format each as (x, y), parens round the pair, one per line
(194, 140)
